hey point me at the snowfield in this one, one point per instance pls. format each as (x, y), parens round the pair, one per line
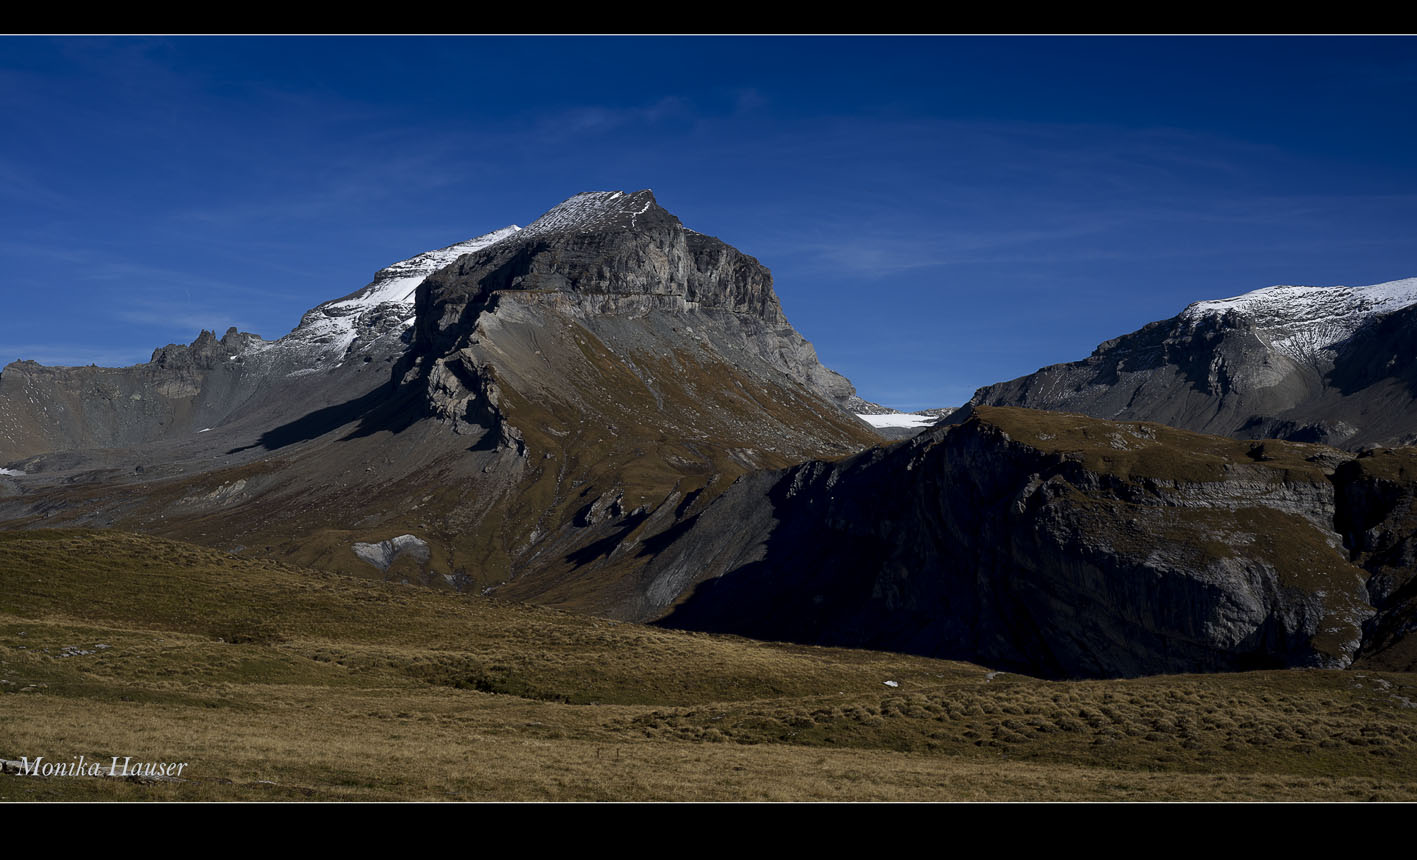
(1302, 321)
(898, 419)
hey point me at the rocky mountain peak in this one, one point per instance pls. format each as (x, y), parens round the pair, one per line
(599, 253)
(603, 270)
(205, 351)
(601, 211)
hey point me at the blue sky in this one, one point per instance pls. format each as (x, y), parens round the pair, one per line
(938, 213)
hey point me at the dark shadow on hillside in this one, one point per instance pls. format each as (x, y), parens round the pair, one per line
(824, 592)
(656, 544)
(386, 408)
(603, 547)
(818, 579)
(939, 560)
(1383, 349)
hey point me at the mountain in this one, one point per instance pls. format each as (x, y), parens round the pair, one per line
(517, 406)
(1064, 546)
(607, 412)
(1336, 365)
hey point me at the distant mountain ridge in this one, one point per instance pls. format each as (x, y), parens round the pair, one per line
(1335, 365)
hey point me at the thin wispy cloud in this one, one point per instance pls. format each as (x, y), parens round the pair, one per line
(21, 188)
(180, 317)
(598, 119)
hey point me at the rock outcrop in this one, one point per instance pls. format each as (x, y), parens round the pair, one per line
(1061, 545)
(384, 553)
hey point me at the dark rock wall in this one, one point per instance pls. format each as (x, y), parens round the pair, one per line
(1051, 544)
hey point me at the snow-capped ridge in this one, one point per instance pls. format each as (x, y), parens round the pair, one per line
(332, 327)
(1300, 321)
(429, 262)
(385, 306)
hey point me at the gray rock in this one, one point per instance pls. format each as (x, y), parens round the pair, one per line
(384, 553)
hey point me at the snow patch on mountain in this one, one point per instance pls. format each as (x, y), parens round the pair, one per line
(898, 419)
(1301, 321)
(382, 307)
(385, 307)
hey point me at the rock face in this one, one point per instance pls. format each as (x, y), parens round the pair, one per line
(614, 256)
(1377, 503)
(1334, 365)
(1064, 546)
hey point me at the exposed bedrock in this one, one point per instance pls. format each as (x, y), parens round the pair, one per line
(1055, 544)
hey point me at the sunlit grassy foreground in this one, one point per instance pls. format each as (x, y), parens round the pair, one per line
(277, 683)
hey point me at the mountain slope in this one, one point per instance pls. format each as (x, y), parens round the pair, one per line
(518, 404)
(1335, 365)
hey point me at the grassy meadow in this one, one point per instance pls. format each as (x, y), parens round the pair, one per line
(273, 682)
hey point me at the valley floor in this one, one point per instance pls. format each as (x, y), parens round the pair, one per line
(278, 683)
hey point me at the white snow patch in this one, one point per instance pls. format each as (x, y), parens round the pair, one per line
(15, 473)
(330, 328)
(204, 430)
(891, 683)
(1301, 321)
(898, 419)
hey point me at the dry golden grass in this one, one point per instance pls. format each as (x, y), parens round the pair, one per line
(275, 683)
(309, 744)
